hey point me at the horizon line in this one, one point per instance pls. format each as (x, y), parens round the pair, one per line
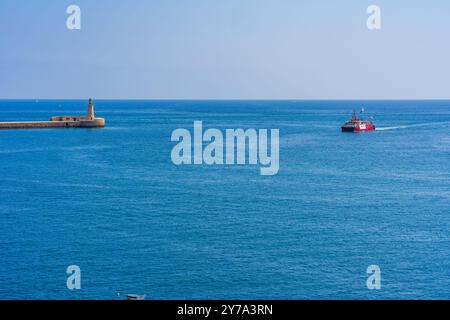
(218, 99)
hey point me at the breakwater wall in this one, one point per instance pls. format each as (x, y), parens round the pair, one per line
(96, 123)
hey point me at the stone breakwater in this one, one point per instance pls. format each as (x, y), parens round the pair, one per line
(88, 121)
(96, 123)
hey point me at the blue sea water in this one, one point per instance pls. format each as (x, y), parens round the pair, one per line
(112, 202)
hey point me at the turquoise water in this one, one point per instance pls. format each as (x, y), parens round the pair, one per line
(111, 201)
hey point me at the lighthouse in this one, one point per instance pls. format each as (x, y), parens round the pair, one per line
(90, 110)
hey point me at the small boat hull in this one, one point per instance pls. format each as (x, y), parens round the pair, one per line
(358, 128)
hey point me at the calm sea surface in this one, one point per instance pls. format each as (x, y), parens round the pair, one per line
(111, 201)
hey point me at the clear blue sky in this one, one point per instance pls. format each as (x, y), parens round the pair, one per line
(225, 49)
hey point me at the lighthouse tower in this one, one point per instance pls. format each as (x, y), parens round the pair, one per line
(90, 110)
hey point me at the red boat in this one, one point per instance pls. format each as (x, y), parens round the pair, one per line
(357, 125)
